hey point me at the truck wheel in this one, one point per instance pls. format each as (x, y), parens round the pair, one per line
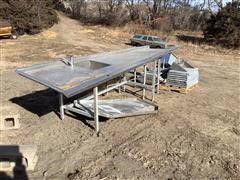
(14, 36)
(137, 44)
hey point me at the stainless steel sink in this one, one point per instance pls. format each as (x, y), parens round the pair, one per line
(90, 65)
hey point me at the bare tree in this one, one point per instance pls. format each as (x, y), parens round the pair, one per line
(77, 6)
(174, 14)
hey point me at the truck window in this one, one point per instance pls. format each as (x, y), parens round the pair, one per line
(144, 37)
(150, 38)
(157, 39)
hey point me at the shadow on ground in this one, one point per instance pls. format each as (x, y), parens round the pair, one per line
(11, 154)
(129, 44)
(45, 101)
(4, 38)
(39, 102)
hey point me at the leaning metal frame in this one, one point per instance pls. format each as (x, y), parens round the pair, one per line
(96, 93)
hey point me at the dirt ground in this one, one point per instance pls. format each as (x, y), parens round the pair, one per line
(194, 135)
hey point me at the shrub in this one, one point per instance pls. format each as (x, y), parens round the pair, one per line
(28, 16)
(224, 27)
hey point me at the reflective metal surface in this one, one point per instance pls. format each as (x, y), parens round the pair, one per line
(79, 74)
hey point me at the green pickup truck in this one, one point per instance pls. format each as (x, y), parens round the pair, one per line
(152, 41)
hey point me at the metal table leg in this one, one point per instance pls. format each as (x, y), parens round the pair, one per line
(153, 80)
(144, 80)
(95, 92)
(135, 75)
(119, 87)
(158, 75)
(61, 106)
(124, 79)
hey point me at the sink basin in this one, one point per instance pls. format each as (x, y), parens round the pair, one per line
(90, 65)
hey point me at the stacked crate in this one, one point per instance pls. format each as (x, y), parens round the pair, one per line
(182, 75)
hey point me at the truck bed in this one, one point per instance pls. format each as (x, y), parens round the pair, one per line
(5, 28)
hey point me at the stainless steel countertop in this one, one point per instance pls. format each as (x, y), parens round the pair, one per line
(90, 71)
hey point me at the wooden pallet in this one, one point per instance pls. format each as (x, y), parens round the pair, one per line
(182, 90)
